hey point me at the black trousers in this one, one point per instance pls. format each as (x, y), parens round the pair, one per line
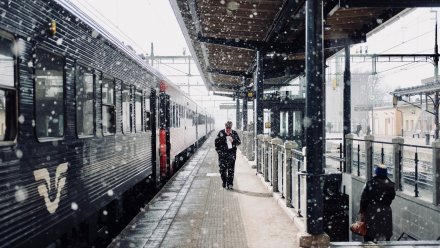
(227, 166)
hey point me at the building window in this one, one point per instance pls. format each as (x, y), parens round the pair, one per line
(138, 110)
(108, 107)
(84, 86)
(49, 94)
(8, 108)
(126, 112)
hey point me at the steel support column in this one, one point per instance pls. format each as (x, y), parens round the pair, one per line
(275, 125)
(290, 121)
(314, 120)
(258, 102)
(347, 92)
(245, 114)
(258, 105)
(347, 99)
(237, 112)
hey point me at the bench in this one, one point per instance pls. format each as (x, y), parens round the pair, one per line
(417, 132)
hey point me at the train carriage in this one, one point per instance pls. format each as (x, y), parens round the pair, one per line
(80, 121)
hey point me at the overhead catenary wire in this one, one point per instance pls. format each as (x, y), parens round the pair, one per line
(108, 23)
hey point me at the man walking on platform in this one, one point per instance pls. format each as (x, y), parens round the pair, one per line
(226, 144)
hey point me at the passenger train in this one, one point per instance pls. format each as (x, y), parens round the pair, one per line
(83, 120)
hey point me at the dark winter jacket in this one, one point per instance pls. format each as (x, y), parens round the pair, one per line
(220, 142)
(376, 199)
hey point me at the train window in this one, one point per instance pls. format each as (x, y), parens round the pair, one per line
(173, 119)
(8, 110)
(177, 115)
(84, 89)
(180, 114)
(138, 110)
(108, 107)
(147, 116)
(126, 113)
(49, 94)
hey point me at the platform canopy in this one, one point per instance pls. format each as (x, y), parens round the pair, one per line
(224, 35)
(425, 89)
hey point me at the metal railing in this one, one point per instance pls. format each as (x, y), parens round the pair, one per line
(409, 166)
(298, 181)
(405, 236)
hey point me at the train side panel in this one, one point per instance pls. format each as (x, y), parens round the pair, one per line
(46, 184)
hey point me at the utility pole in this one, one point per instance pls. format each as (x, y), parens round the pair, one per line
(436, 104)
(152, 55)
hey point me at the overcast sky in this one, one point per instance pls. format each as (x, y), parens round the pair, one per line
(143, 21)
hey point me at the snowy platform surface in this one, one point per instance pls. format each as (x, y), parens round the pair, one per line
(194, 210)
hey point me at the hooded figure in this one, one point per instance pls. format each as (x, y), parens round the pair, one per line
(226, 144)
(375, 207)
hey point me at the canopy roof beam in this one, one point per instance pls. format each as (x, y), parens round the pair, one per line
(389, 3)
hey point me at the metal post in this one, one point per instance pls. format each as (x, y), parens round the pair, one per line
(290, 121)
(315, 107)
(266, 141)
(288, 146)
(436, 104)
(237, 111)
(349, 152)
(259, 152)
(347, 98)
(436, 172)
(416, 174)
(369, 150)
(276, 142)
(245, 113)
(347, 92)
(275, 127)
(152, 55)
(397, 162)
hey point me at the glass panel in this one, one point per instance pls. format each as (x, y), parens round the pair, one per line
(108, 106)
(108, 91)
(6, 63)
(108, 119)
(138, 108)
(126, 108)
(8, 116)
(147, 113)
(84, 101)
(49, 94)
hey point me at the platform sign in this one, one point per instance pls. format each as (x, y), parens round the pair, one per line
(363, 108)
(234, 106)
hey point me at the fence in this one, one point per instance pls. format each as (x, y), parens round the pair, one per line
(411, 167)
(415, 169)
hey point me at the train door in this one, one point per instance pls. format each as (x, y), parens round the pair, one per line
(164, 134)
(150, 122)
(168, 137)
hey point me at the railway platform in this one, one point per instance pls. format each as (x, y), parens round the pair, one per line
(194, 210)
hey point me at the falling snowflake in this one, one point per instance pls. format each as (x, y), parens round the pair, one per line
(74, 206)
(110, 192)
(20, 194)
